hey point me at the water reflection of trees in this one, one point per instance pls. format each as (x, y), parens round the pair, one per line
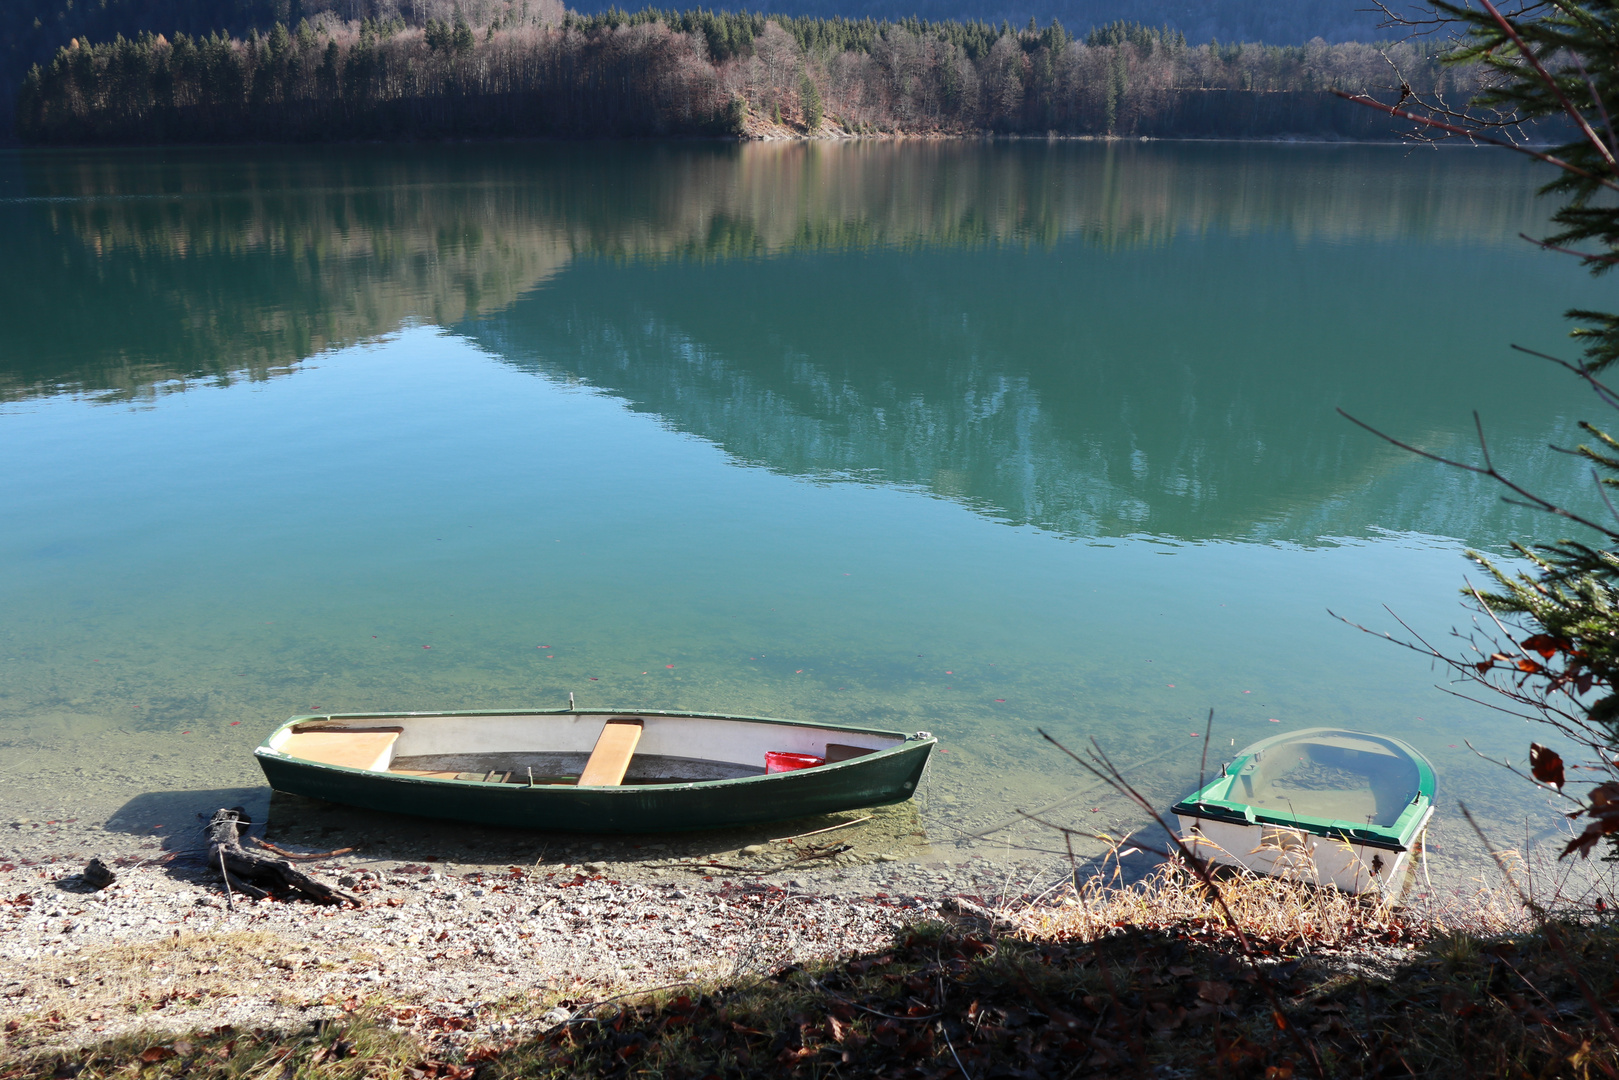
(977, 372)
(1090, 396)
(131, 270)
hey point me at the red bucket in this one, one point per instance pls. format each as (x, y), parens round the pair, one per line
(781, 761)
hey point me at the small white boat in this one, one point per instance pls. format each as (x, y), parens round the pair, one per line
(1341, 808)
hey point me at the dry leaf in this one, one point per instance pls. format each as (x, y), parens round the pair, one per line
(1604, 814)
(1546, 766)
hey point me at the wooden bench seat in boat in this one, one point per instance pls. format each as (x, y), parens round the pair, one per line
(610, 760)
(350, 749)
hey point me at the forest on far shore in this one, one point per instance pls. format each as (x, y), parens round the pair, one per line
(541, 71)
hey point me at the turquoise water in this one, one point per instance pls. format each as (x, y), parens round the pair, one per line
(976, 438)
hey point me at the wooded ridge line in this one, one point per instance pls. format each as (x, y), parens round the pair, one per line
(558, 73)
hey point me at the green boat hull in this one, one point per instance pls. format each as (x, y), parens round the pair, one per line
(876, 779)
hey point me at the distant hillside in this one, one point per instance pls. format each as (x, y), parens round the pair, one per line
(659, 73)
(1274, 22)
(31, 31)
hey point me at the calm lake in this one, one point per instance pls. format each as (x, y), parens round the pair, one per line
(972, 438)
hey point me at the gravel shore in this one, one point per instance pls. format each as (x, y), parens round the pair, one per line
(463, 951)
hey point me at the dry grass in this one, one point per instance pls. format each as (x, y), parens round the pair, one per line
(1292, 914)
(152, 984)
(363, 1045)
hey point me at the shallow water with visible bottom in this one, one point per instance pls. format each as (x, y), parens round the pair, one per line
(986, 439)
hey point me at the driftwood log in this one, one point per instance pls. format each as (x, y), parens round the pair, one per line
(256, 875)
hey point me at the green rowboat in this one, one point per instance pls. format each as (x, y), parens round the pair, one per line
(595, 771)
(1335, 807)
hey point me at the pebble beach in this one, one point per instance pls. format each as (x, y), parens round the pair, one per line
(460, 950)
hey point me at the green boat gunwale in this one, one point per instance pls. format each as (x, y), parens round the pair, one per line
(909, 744)
(1393, 837)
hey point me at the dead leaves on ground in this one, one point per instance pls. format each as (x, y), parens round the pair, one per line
(913, 1011)
(1112, 1007)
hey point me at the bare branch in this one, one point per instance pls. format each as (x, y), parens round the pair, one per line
(1515, 771)
(1551, 84)
(1535, 501)
(1602, 490)
(1603, 391)
(1475, 135)
(1490, 704)
(1584, 256)
(1539, 707)
(1483, 444)
(1602, 106)
(1203, 765)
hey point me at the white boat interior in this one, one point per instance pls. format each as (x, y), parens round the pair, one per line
(1330, 774)
(584, 749)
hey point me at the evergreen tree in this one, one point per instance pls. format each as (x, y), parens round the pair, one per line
(461, 38)
(736, 115)
(809, 100)
(437, 35)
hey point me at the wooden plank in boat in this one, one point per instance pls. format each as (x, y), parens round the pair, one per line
(836, 752)
(611, 758)
(350, 749)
